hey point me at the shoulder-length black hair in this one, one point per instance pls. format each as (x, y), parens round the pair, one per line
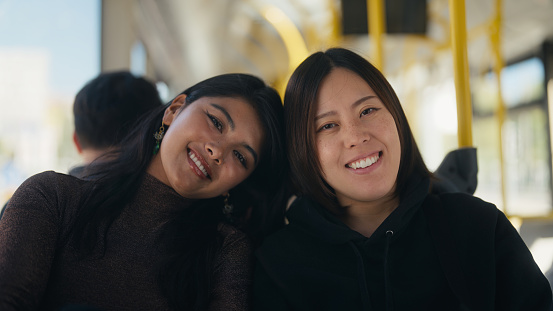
(300, 109)
(185, 270)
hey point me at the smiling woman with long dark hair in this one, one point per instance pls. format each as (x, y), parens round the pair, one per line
(156, 224)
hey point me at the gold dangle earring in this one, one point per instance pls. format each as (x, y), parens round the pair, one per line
(228, 208)
(159, 136)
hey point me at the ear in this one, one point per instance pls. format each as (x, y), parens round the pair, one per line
(77, 143)
(173, 110)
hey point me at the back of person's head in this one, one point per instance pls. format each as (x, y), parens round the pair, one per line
(106, 108)
(300, 109)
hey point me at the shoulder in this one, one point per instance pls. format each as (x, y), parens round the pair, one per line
(50, 182)
(470, 218)
(231, 233)
(236, 248)
(234, 238)
(461, 206)
(52, 179)
(47, 191)
(464, 199)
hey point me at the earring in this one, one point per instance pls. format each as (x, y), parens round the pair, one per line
(159, 136)
(228, 208)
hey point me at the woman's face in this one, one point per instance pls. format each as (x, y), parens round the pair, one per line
(357, 140)
(210, 147)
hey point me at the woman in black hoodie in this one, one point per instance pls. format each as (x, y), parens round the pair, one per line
(365, 232)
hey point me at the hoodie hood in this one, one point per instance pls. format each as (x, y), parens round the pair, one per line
(307, 215)
(310, 216)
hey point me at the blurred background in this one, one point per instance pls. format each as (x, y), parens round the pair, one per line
(50, 49)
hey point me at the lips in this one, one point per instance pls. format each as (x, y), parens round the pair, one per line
(364, 162)
(199, 163)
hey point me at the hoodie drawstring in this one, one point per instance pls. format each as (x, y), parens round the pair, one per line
(362, 279)
(387, 281)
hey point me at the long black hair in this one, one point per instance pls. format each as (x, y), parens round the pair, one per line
(191, 238)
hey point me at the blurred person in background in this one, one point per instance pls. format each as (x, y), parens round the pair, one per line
(105, 110)
(166, 220)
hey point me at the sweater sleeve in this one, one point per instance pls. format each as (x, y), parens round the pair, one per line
(232, 279)
(29, 231)
(520, 285)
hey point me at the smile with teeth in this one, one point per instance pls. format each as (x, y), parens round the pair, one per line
(198, 163)
(363, 163)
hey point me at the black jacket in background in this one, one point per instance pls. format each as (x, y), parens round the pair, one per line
(318, 263)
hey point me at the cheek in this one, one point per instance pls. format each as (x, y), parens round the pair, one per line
(394, 146)
(168, 148)
(396, 141)
(324, 153)
(234, 175)
(392, 134)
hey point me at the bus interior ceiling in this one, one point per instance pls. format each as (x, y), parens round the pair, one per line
(185, 41)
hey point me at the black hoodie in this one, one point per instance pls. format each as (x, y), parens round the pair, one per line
(318, 263)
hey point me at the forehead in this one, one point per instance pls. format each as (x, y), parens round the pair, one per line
(237, 107)
(243, 114)
(224, 100)
(341, 87)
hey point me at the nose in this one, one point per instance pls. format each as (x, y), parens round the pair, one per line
(215, 152)
(354, 134)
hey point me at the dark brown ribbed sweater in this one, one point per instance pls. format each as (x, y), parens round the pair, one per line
(39, 271)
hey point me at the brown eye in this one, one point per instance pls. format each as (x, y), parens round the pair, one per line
(367, 111)
(327, 126)
(240, 158)
(216, 122)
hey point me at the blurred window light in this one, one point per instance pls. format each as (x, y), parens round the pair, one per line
(43, 64)
(138, 59)
(526, 147)
(542, 250)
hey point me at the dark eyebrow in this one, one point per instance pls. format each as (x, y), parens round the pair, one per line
(326, 114)
(254, 154)
(227, 115)
(355, 104)
(363, 99)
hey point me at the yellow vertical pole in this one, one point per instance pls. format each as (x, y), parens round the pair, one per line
(461, 71)
(336, 24)
(377, 29)
(495, 38)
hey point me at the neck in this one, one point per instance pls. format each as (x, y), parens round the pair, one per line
(365, 218)
(88, 155)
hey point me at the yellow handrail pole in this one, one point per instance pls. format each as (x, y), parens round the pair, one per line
(461, 71)
(495, 38)
(336, 24)
(292, 38)
(377, 29)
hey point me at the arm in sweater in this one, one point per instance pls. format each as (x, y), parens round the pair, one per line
(29, 232)
(233, 273)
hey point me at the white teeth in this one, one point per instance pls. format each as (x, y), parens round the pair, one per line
(364, 162)
(198, 163)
